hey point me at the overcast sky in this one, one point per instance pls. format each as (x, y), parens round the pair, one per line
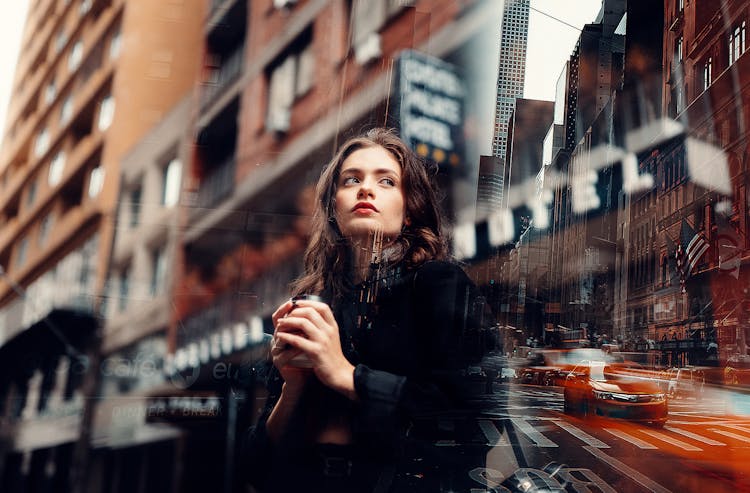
(550, 43)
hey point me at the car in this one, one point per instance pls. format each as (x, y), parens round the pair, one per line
(541, 367)
(475, 373)
(685, 382)
(508, 375)
(551, 366)
(599, 388)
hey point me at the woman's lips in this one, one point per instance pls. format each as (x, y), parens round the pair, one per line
(364, 208)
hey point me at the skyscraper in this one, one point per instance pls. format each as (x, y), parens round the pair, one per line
(510, 75)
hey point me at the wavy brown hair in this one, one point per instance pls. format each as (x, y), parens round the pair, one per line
(328, 256)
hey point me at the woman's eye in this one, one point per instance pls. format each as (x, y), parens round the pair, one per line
(388, 181)
(351, 180)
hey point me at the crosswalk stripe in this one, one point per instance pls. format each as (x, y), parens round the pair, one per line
(535, 393)
(672, 441)
(694, 436)
(581, 435)
(737, 427)
(729, 434)
(535, 436)
(636, 476)
(492, 434)
(629, 438)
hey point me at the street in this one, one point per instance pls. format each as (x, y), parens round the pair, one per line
(703, 447)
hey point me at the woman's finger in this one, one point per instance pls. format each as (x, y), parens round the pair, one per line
(277, 346)
(301, 325)
(313, 316)
(322, 308)
(299, 342)
(281, 312)
(285, 356)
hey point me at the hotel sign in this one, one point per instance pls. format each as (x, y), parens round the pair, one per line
(431, 107)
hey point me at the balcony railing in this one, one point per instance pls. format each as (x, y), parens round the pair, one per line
(230, 69)
(217, 185)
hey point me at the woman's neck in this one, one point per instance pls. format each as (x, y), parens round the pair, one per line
(362, 259)
(366, 252)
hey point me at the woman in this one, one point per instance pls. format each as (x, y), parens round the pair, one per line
(383, 349)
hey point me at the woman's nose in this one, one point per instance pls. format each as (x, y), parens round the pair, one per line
(365, 190)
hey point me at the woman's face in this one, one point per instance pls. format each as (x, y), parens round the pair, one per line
(369, 194)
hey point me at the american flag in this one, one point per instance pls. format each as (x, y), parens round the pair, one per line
(696, 246)
(695, 251)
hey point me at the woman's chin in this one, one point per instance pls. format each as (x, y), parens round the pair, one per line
(364, 231)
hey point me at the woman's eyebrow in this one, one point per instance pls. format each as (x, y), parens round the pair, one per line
(378, 171)
(350, 171)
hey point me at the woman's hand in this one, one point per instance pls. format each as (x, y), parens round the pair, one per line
(309, 327)
(282, 355)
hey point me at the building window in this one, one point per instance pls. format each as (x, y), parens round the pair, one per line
(290, 78)
(678, 97)
(135, 207)
(50, 92)
(678, 50)
(305, 71)
(67, 110)
(106, 113)
(367, 19)
(31, 194)
(21, 253)
(45, 226)
(158, 271)
(60, 41)
(171, 183)
(42, 142)
(737, 43)
(56, 168)
(707, 73)
(680, 5)
(75, 57)
(123, 284)
(96, 181)
(115, 45)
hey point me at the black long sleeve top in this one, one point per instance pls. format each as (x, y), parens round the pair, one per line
(409, 347)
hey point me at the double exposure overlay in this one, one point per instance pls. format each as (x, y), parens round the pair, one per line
(517, 293)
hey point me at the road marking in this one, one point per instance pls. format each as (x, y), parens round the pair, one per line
(491, 433)
(737, 427)
(629, 438)
(636, 476)
(535, 436)
(536, 394)
(729, 434)
(694, 436)
(671, 441)
(581, 435)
